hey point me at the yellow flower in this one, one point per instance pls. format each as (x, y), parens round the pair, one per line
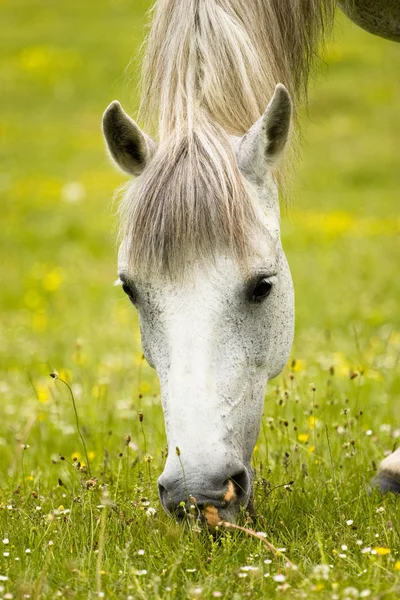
(299, 365)
(75, 456)
(91, 455)
(380, 551)
(302, 437)
(52, 280)
(311, 449)
(42, 392)
(144, 387)
(312, 421)
(397, 565)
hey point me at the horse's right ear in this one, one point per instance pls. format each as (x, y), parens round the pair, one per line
(130, 148)
(262, 146)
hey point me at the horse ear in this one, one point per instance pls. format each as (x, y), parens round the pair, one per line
(264, 143)
(130, 148)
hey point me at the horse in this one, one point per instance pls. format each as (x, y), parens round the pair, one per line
(201, 256)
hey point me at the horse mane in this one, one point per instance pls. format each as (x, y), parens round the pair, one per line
(209, 70)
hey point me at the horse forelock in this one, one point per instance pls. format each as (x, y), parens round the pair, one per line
(190, 202)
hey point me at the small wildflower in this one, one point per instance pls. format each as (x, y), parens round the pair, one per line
(242, 575)
(141, 572)
(344, 547)
(397, 565)
(217, 594)
(191, 570)
(380, 509)
(6, 541)
(140, 552)
(268, 561)
(38, 508)
(359, 542)
(279, 577)
(351, 592)
(349, 522)
(302, 437)
(198, 591)
(365, 593)
(366, 550)
(342, 555)
(380, 551)
(3, 578)
(28, 551)
(369, 432)
(6, 554)
(150, 512)
(321, 572)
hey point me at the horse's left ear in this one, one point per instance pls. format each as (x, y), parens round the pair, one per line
(264, 143)
(130, 148)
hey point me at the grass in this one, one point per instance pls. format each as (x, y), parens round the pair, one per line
(329, 418)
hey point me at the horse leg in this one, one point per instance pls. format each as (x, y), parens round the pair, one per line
(380, 17)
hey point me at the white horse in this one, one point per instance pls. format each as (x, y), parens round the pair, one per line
(201, 256)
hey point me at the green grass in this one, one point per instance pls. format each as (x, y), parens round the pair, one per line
(62, 63)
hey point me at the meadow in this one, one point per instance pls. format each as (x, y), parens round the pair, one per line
(80, 454)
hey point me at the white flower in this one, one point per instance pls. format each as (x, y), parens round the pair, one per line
(342, 555)
(141, 572)
(369, 432)
(6, 554)
(3, 578)
(28, 551)
(381, 509)
(366, 550)
(150, 512)
(279, 577)
(6, 541)
(351, 592)
(267, 561)
(365, 593)
(140, 552)
(349, 522)
(321, 572)
(344, 547)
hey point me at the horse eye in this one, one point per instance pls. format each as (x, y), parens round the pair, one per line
(128, 292)
(262, 290)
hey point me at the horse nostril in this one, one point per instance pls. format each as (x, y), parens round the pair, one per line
(238, 487)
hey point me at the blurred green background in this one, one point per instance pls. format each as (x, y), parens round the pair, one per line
(61, 65)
